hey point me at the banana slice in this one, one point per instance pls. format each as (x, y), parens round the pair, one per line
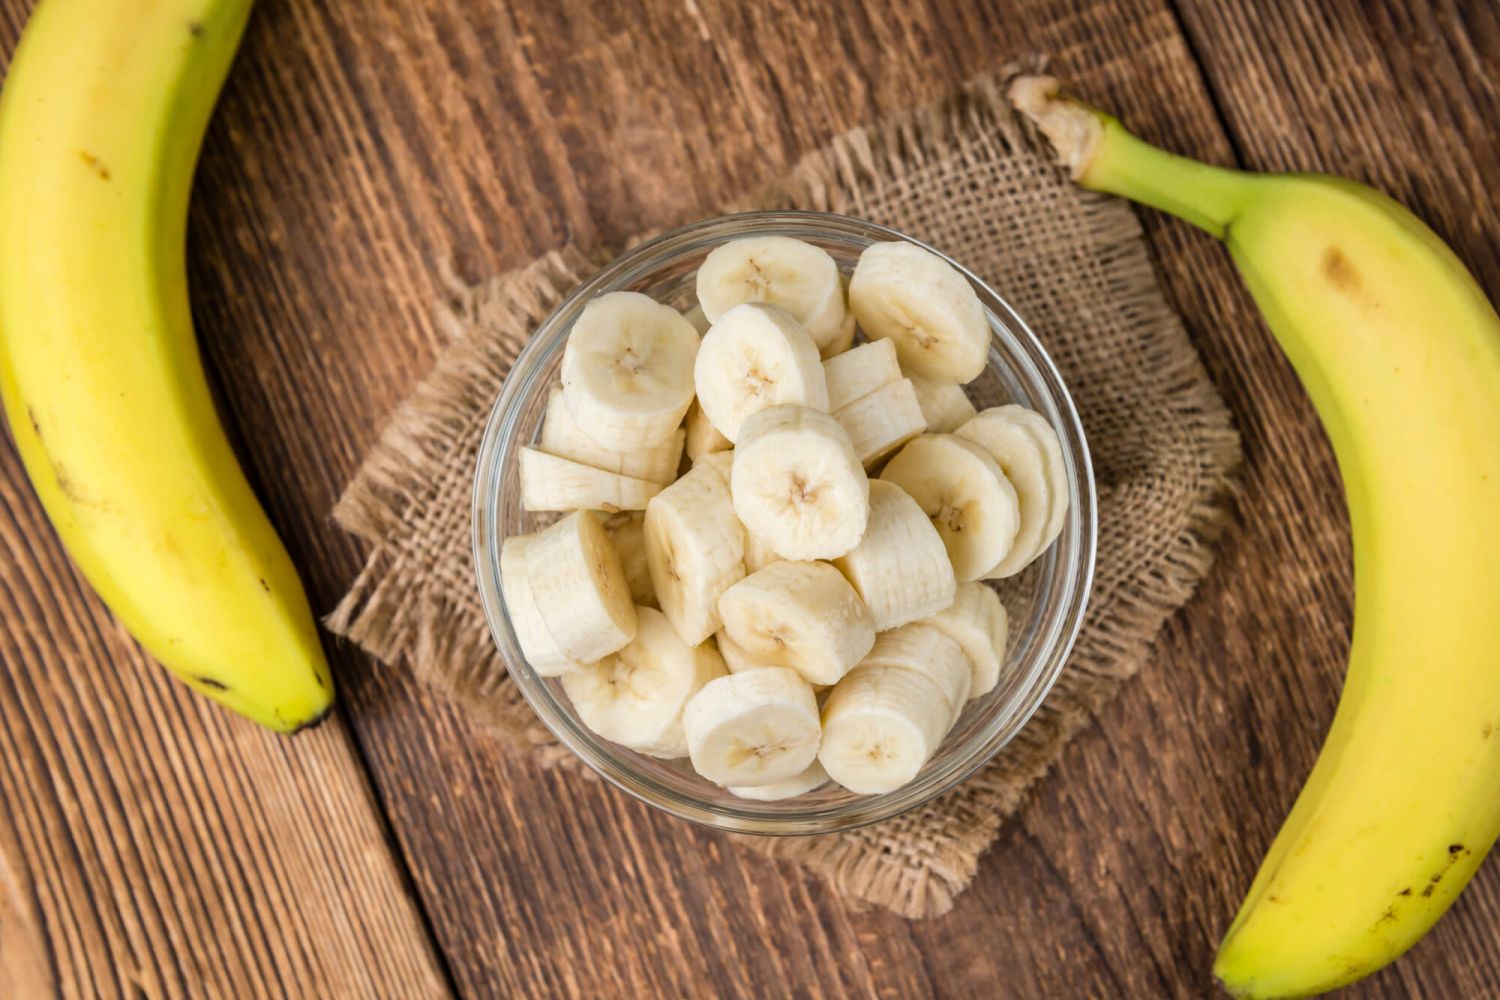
(552, 483)
(695, 549)
(844, 338)
(627, 530)
(859, 372)
(945, 405)
(753, 728)
(537, 644)
(1052, 461)
(627, 371)
(801, 615)
(780, 271)
(798, 485)
(635, 697)
(579, 587)
(758, 554)
(1016, 450)
(808, 781)
(755, 356)
(976, 620)
(913, 297)
(962, 489)
(900, 568)
(932, 653)
(880, 725)
(562, 437)
(881, 421)
(703, 438)
(736, 658)
(700, 322)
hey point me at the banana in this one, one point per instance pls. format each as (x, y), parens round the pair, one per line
(703, 438)
(922, 304)
(797, 484)
(562, 437)
(880, 725)
(635, 697)
(1045, 436)
(881, 421)
(780, 271)
(758, 554)
(552, 483)
(627, 532)
(1017, 451)
(900, 568)
(1400, 352)
(971, 503)
(735, 658)
(101, 118)
(721, 462)
(537, 644)
(932, 653)
(627, 370)
(579, 587)
(755, 356)
(695, 549)
(977, 621)
(808, 781)
(859, 372)
(944, 405)
(753, 728)
(801, 615)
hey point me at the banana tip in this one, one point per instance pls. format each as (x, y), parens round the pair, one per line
(1072, 128)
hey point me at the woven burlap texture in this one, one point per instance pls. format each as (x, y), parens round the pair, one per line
(965, 176)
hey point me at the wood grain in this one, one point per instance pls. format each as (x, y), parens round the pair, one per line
(152, 845)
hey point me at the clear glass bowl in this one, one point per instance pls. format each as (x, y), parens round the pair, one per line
(1045, 602)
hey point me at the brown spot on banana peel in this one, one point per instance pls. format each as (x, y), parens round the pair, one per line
(1341, 273)
(312, 723)
(95, 164)
(210, 682)
(195, 28)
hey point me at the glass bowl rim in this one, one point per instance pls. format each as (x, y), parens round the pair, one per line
(749, 816)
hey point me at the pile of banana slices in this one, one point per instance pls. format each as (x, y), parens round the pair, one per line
(773, 613)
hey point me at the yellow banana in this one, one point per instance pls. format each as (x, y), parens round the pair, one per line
(101, 118)
(1400, 352)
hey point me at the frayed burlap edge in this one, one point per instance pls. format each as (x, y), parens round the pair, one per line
(439, 632)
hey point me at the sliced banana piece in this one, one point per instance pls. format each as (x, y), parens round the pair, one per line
(1016, 450)
(931, 652)
(944, 404)
(627, 371)
(1052, 460)
(552, 483)
(635, 696)
(859, 372)
(627, 530)
(755, 356)
(900, 568)
(971, 503)
(753, 728)
(735, 657)
(881, 421)
(695, 549)
(880, 725)
(798, 485)
(915, 298)
(758, 554)
(719, 461)
(579, 587)
(801, 615)
(808, 781)
(537, 644)
(562, 437)
(977, 621)
(780, 271)
(703, 437)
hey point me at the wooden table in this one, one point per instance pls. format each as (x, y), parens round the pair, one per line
(153, 846)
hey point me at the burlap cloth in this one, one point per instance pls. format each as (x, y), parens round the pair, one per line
(965, 176)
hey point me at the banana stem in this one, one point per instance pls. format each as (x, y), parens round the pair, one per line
(1103, 156)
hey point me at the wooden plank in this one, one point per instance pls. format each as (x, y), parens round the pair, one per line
(151, 845)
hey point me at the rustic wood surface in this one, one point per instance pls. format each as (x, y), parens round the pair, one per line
(151, 845)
